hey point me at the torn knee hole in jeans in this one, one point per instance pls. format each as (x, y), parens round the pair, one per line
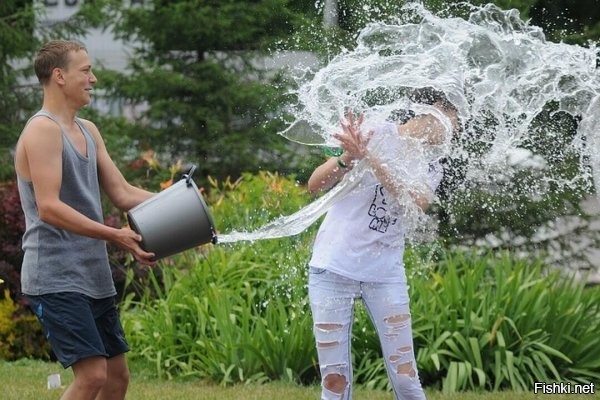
(404, 354)
(396, 323)
(334, 377)
(404, 367)
(397, 320)
(335, 382)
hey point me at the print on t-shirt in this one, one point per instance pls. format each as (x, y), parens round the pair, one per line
(379, 211)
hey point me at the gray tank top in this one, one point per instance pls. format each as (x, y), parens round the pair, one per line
(57, 260)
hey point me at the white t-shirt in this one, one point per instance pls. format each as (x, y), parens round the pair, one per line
(362, 235)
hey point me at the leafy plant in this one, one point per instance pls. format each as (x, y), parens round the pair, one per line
(12, 227)
(253, 200)
(494, 322)
(225, 319)
(20, 333)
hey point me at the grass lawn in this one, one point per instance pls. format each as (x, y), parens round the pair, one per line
(27, 380)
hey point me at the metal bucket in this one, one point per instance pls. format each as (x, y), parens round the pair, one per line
(174, 220)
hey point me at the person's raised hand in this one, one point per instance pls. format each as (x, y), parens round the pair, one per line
(351, 138)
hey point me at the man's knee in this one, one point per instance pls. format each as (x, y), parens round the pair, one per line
(122, 378)
(91, 372)
(118, 374)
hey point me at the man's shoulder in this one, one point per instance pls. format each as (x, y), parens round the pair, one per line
(90, 127)
(87, 123)
(41, 125)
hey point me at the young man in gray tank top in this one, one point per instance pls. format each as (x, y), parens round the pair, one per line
(62, 165)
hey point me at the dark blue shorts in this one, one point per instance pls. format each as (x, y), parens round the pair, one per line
(78, 326)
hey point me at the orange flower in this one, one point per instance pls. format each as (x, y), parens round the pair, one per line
(166, 184)
(150, 157)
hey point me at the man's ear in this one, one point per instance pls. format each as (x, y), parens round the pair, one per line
(57, 75)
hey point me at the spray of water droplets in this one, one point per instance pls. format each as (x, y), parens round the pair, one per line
(497, 70)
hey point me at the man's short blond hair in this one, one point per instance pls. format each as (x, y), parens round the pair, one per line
(54, 54)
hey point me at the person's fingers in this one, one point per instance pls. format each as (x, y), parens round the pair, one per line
(340, 137)
(370, 133)
(145, 258)
(345, 126)
(350, 117)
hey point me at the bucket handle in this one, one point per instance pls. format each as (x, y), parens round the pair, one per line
(188, 176)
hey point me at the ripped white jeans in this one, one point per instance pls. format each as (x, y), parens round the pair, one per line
(332, 298)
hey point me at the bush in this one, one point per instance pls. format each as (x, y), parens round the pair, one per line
(12, 227)
(253, 200)
(489, 323)
(20, 333)
(494, 322)
(226, 320)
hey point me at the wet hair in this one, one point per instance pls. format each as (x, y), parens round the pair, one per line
(54, 54)
(429, 95)
(425, 95)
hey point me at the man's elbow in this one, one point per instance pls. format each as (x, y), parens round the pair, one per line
(47, 212)
(45, 215)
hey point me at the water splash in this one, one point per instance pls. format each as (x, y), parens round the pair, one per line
(500, 73)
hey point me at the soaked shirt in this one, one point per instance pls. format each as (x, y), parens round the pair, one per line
(362, 236)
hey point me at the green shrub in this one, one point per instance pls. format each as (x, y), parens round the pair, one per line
(253, 200)
(228, 319)
(12, 227)
(20, 333)
(496, 322)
